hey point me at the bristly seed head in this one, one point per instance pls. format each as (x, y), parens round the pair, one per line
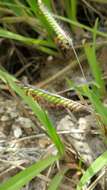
(61, 34)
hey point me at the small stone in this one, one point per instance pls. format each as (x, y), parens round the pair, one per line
(50, 58)
(24, 122)
(13, 115)
(17, 131)
(5, 118)
(2, 110)
(83, 125)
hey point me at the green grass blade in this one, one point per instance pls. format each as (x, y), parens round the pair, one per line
(54, 184)
(74, 10)
(95, 100)
(94, 65)
(38, 111)
(95, 35)
(22, 178)
(95, 68)
(71, 9)
(39, 44)
(16, 7)
(77, 24)
(43, 117)
(98, 74)
(33, 6)
(96, 166)
(7, 34)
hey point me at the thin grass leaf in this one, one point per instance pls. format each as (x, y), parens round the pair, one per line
(74, 23)
(48, 50)
(22, 178)
(95, 100)
(71, 9)
(16, 7)
(96, 166)
(39, 44)
(94, 65)
(33, 6)
(95, 68)
(44, 119)
(95, 35)
(99, 75)
(20, 4)
(7, 34)
(54, 184)
(2, 75)
(38, 111)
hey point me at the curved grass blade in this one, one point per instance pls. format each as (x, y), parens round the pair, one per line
(94, 65)
(40, 44)
(11, 35)
(22, 178)
(96, 166)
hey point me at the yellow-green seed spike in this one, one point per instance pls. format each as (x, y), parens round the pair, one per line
(54, 99)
